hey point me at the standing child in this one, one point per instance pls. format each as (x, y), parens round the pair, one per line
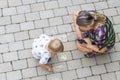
(44, 48)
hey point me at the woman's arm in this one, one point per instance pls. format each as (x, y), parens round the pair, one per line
(92, 47)
(95, 48)
(78, 32)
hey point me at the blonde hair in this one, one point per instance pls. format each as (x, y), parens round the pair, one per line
(56, 45)
(99, 18)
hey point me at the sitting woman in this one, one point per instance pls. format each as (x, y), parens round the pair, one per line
(94, 31)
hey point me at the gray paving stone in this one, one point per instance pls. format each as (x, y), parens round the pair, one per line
(108, 76)
(12, 28)
(88, 62)
(21, 36)
(11, 56)
(22, 54)
(9, 11)
(118, 9)
(51, 30)
(28, 1)
(77, 54)
(41, 23)
(54, 60)
(80, 79)
(98, 5)
(115, 19)
(41, 71)
(46, 14)
(32, 16)
(17, 75)
(27, 26)
(78, 2)
(7, 38)
(88, 1)
(115, 66)
(71, 36)
(32, 62)
(19, 64)
(72, 9)
(117, 39)
(118, 75)
(56, 76)
(1, 59)
(37, 7)
(5, 67)
(116, 28)
(4, 48)
(42, 0)
(51, 4)
(64, 28)
(115, 56)
(14, 3)
(16, 46)
(1, 12)
(5, 20)
(3, 76)
(87, 7)
(69, 75)
(64, 3)
(62, 37)
(40, 78)
(35, 33)
(64, 56)
(3, 4)
(59, 67)
(113, 3)
(67, 19)
(99, 69)
(55, 21)
(94, 78)
(103, 59)
(2, 29)
(23, 9)
(27, 44)
(69, 46)
(110, 12)
(84, 72)
(60, 11)
(29, 72)
(18, 18)
(74, 64)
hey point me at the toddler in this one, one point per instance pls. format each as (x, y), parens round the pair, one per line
(44, 48)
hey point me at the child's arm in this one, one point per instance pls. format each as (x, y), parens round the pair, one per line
(78, 32)
(46, 66)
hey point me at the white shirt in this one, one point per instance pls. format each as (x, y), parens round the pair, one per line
(38, 48)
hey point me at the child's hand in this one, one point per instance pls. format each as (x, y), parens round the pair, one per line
(50, 69)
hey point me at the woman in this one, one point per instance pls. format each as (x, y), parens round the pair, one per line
(97, 31)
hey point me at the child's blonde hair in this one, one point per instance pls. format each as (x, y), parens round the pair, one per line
(56, 45)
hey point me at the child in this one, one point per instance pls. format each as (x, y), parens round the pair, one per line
(96, 30)
(44, 48)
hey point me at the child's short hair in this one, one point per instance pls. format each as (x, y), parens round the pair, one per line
(56, 45)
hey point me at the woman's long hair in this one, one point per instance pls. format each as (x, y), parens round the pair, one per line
(86, 18)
